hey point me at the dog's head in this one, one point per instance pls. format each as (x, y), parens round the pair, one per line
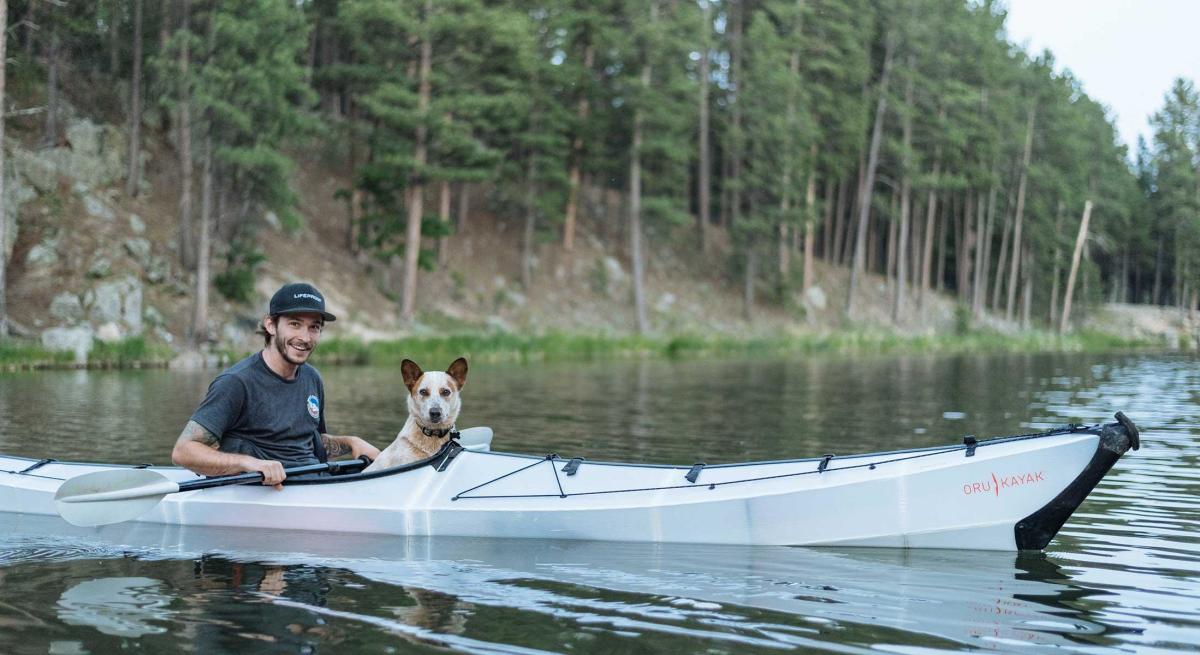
(434, 397)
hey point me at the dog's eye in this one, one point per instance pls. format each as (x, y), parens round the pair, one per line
(424, 392)
(445, 392)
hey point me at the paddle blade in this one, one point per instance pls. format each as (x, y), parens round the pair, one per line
(105, 497)
(478, 438)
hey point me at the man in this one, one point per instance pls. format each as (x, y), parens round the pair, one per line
(267, 411)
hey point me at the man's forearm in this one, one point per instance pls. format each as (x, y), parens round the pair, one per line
(196, 450)
(336, 446)
(348, 445)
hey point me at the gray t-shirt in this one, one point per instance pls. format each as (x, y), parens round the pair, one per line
(254, 411)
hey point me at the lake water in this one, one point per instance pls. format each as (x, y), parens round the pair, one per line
(1122, 576)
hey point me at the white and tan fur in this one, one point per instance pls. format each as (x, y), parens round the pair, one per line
(434, 400)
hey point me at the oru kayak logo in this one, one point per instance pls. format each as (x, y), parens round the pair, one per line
(998, 482)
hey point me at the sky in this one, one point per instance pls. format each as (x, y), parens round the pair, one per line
(1126, 53)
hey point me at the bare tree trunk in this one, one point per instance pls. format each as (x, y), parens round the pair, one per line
(785, 184)
(839, 218)
(930, 215)
(1055, 267)
(444, 215)
(464, 206)
(1027, 295)
(704, 166)
(1016, 261)
(354, 198)
(187, 251)
(783, 250)
(1000, 261)
(810, 218)
(868, 186)
(412, 240)
(889, 240)
(851, 232)
(979, 245)
(589, 58)
(827, 219)
(943, 230)
(985, 252)
(530, 225)
(748, 281)
(1079, 241)
(735, 129)
(966, 245)
(1156, 292)
(134, 178)
(3, 204)
(114, 36)
(905, 197)
(50, 131)
(635, 200)
(916, 243)
(200, 313)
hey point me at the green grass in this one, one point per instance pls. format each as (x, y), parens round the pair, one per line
(137, 352)
(129, 353)
(583, 347)
(19, 354)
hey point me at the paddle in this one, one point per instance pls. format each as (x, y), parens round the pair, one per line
(113, 496)
(476, 438)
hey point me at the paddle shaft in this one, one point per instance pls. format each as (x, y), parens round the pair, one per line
(243, 478)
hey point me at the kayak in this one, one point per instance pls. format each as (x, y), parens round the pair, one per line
(1006, 493)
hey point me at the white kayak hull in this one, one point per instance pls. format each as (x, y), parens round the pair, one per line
(1002, 494)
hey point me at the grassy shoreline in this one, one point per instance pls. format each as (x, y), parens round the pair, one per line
(137, 353)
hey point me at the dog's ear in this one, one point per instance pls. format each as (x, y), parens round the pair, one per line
(458, 371)
(411, 373)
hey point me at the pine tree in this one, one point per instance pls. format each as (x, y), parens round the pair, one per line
(248, 90)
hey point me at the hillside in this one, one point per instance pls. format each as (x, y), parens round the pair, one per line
(88, 262)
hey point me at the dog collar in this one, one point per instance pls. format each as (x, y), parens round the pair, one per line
(439, 433)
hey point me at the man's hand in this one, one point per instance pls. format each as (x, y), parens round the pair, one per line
(196, 450)
(360, 447)
(348, 445)
(273, 475)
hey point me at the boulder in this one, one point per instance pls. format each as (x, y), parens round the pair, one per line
(96, 156)
(139, 249)
(16, 193)
(39, 171)
(67, 308)
(152, 317)
(136, 224)
(84, 137)
(110, 332)
(100, 267)
(96, 207)
(119, 300)
(72, 339)
(43, 255)
(665, 302)
(158, 270)
(814, 298)
(189, 360)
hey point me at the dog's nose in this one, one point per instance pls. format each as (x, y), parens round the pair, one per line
(435, 414)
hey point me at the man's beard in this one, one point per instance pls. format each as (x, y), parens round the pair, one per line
(281, 347)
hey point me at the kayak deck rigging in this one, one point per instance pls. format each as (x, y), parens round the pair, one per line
(969, 445)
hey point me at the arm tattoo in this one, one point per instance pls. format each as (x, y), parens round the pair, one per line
(334, 447)
(193, 431)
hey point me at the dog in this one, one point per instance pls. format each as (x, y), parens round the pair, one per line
(434, 400)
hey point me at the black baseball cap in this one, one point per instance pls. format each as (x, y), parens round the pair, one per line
(299, 298)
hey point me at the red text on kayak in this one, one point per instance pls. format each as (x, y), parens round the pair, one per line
(998, 482)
